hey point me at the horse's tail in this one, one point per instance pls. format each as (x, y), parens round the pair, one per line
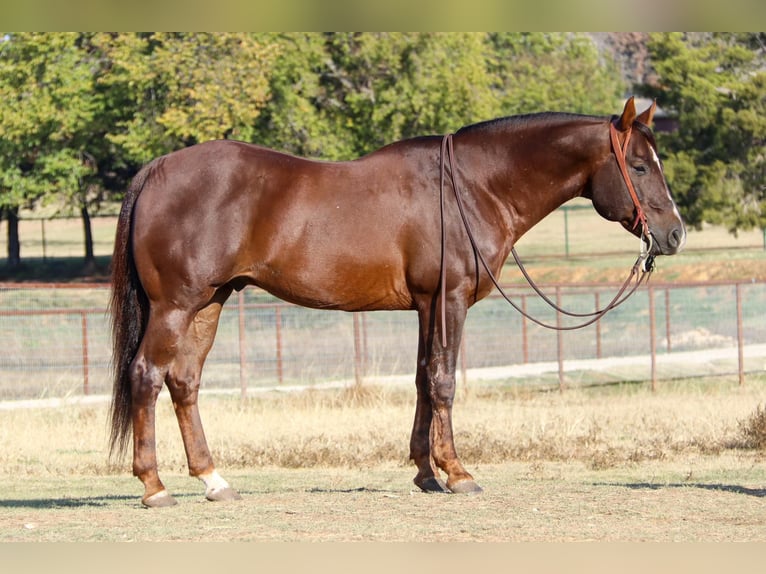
(129, 309)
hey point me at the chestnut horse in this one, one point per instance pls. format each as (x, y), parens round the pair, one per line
(375, 233)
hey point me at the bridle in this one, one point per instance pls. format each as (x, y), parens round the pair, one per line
(644, 263)
(619, 154)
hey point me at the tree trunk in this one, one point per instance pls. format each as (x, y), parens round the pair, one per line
(88, 229)
(14, 246)
(90, 259)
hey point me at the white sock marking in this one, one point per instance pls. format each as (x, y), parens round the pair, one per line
(214, 482)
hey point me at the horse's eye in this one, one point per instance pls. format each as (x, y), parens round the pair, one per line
(641, 169)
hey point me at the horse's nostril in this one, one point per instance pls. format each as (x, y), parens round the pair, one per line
(676, 238)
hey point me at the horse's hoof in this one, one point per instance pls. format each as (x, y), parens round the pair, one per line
(466, 487)
(223, 494)
(159, 499)
(432, 485)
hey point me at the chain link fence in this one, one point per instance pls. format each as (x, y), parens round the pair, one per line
(55, 340)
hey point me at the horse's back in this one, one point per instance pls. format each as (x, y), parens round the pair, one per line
(321, 234)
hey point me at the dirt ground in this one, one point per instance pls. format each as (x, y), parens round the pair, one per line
(708, 499)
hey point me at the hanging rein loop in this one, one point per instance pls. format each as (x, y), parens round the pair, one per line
(644, 263)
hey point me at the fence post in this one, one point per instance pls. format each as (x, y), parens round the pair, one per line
(740, 337)
(85, 373)
(278, 336)
(45, 245)
(667, 318)
(242, 359)
(559, 341)
(524, 337)
(358, 365)
(653, 338)
(598, 327)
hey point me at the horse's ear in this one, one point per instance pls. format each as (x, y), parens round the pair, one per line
(625, 121)
(647, 115)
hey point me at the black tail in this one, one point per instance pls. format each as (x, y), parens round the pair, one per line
(129, 309)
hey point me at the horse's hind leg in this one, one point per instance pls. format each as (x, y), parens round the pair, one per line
(183, 381)
(148, 372)
(173, 351)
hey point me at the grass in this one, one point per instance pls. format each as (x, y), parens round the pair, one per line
(612, 426)
(618, 463)
(753, 429)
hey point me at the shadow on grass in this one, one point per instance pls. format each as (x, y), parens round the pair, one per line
(84, 502)
(317, 490)
(63, 502)
(732, 488)
(57, 270)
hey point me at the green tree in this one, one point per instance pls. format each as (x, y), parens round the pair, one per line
(295, 118)
(45, 105)
(716, 162)
(538, 71)
(79, 113)
(381, 87)
(185, 88)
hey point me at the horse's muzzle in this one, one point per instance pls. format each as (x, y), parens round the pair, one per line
(673, 242)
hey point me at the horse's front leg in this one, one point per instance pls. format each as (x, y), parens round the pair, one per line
(442, 392)
(428, 478)
(436, 388)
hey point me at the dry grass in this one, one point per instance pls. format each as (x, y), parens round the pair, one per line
(753, 429)
(609, 463)
(605, 427)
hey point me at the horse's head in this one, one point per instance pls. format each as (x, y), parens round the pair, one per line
(647, 210)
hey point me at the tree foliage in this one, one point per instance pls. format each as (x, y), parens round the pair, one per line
(80, 112)
(185, 88)
(47, 108)
(716, 161)
(45, 104)
(552, 71)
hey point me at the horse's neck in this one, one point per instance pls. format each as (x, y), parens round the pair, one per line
(531, 170)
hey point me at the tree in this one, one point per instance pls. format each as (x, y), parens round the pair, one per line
(553, 72)
(716, 162)
(186, 88)
(381, 87)
(295, 119)
(80, 112)
(44, 106)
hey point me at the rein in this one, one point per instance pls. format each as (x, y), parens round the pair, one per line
(644, 263)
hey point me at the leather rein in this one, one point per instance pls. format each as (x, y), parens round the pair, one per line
(644, 263)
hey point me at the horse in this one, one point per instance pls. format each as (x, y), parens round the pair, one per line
(374, 233)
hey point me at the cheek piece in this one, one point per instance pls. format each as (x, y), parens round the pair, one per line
(647, 241)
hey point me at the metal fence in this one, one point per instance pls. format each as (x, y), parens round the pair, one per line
(55, 342)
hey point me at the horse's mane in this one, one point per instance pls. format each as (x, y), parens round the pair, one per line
(547, 118)
(523, 120)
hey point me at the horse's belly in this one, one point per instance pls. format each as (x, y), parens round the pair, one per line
(348, 288)
(347, 297)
